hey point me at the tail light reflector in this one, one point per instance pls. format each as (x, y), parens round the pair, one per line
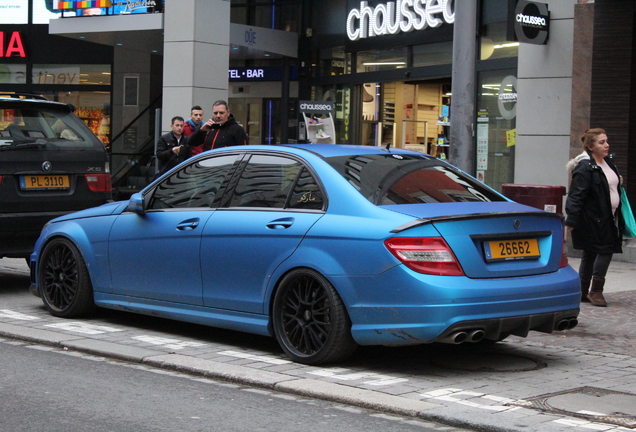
(564, 254)
(99, 182)
(428, 255)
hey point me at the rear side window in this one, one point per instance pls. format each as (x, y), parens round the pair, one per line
(43, 125)
(409, 179)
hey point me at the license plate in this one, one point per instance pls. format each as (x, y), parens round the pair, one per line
(501, 250)
(44, 182)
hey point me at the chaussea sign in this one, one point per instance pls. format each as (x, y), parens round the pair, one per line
(396, 17)
(528, 22)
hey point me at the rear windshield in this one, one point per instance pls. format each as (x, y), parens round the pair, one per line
(409, 179)
(43, 126)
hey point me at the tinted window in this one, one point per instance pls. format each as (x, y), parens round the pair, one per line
(199, 184)
(57, 128)
(306, 193)
(266, 182)
(409, 179)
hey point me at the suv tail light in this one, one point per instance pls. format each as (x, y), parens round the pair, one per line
(428, 255)
(99, 182)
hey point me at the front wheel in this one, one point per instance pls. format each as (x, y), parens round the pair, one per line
(310, 321)
(63, 280)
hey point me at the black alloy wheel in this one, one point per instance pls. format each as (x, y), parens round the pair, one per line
(310, 321)
(64, 281)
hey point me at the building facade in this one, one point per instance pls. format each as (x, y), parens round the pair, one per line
(372, 72)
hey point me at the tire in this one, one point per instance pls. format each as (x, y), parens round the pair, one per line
(63, 280)
(310, 321)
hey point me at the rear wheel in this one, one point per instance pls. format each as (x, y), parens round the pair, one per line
(63, 279)
(310, 321)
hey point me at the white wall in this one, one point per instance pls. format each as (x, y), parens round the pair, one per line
(544, 89)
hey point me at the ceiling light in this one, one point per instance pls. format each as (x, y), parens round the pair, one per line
(383, 63)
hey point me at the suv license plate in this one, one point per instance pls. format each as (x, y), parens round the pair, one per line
(44, 182)
(501, 250)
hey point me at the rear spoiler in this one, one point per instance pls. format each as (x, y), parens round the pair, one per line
(426, 221)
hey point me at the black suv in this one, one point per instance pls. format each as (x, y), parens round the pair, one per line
(50, 164)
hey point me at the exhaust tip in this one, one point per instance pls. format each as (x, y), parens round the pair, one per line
(476, 335)
(455, 338)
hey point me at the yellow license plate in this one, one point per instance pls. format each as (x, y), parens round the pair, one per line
(501, 250)
(44, 182)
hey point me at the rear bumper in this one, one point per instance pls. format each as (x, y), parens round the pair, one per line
(402, 307)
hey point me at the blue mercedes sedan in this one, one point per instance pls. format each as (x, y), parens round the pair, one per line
(324, 247)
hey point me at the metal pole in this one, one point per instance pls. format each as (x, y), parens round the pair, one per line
(462, 148)
(157, 135)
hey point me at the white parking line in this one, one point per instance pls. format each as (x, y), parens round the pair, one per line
(82, 327)
(376, 379)
(16, 315)
(168, 343)
(462, 397)
(258, 358)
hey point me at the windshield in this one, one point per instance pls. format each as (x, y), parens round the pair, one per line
(409, 179)
(42, 126)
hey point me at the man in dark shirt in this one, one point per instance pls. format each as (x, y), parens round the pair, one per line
(221, 130)
(171, 147)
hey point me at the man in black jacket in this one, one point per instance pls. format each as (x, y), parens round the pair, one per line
(171, 147)
(221, 130)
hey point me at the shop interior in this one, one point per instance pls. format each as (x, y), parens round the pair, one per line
(411, 114)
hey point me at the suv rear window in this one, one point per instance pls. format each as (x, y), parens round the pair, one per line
(27, 125)
(409, 179)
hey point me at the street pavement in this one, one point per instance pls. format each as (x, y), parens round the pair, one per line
(578, 380)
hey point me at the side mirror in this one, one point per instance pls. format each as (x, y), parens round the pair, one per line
(136, 204)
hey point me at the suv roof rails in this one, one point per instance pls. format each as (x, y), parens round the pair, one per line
(23, 96)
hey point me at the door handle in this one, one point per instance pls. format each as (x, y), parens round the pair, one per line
(189, 224)
(281, 223)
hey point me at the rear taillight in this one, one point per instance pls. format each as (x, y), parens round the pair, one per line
(429, 255)
(0, 180)
(564, 253)
(99, 182)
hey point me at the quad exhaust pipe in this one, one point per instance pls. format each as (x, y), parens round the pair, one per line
(458, 337)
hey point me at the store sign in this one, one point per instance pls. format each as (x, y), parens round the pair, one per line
(81, 4)
(11, 45)
(266, 73)
(529, 22)
(400, 16)
(56, 75)
(317, 107)
(507, 98)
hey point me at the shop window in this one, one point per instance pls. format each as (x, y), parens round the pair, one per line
(92, 107)
(493, 43)
(274, 15)
(12, 73)
(332, 61)
(372, 61)
(496, 127)
(71, 74)
(433, 54)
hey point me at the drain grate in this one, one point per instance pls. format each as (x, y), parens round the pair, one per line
(589, 403)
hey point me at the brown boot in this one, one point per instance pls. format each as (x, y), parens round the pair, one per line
(596, 292)
(585, 289)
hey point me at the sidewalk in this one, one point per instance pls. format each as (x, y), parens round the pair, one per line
(580, 380)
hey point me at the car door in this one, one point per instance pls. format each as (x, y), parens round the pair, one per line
(156, 255)
(275, 202)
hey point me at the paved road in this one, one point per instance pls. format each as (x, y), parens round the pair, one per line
(579, 380)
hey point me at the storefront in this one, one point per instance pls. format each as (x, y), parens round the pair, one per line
(388, 72)
(34, 62)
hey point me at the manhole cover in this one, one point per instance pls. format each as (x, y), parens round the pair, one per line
(487, 362)
(590, 403)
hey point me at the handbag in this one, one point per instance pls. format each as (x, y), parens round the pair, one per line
(628, 216)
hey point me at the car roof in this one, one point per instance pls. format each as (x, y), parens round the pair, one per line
(33, 100)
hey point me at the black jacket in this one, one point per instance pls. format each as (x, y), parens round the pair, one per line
(589, 210)
(228, 134)
(167, 158)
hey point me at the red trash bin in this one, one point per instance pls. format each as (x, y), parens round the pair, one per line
(548, 198)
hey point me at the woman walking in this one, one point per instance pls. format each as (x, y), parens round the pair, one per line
(594, 216)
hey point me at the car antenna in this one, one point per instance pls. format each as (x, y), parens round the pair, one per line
(388, 146)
